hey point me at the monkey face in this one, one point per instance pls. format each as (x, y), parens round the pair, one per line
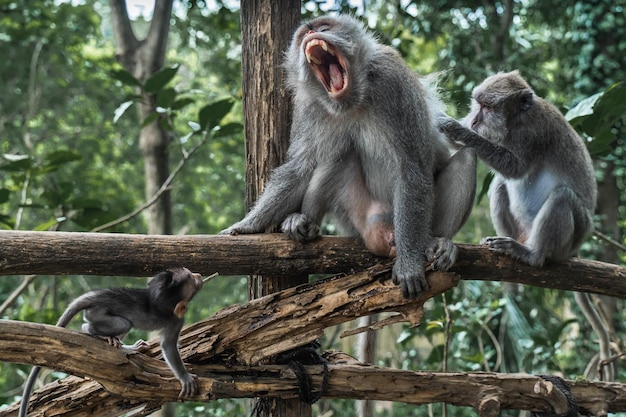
(323, 52)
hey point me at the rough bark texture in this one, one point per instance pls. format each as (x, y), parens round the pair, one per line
(66, 253)
(218, 350)
(266, 27)
(62, 253)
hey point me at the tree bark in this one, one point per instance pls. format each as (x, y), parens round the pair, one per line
(65, 253)
(142, 59)
(266, 27)
(221, 349)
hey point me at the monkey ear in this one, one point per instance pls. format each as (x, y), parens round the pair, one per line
(526, 98)
(180, 309)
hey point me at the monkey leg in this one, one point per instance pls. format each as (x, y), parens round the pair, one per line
(359, 210)
(500, 210)
(557, 229)
(455, 188)
(101, 323)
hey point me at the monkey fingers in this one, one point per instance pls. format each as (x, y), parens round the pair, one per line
(412, 285)
(239, 228)
(189, 386)
(139, 346)
(441, 253)
(300, 227)
(511, 247)
(111, 340)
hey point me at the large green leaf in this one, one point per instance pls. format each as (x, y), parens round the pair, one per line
(159, 79)
(211, 114)
(125, 77)
(596, 117)
(16, 163)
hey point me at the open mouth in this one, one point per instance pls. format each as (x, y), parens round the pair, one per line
(327, 65)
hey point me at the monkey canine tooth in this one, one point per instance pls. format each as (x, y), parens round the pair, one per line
(327, 65)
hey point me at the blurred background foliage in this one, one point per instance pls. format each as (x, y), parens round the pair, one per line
(69, 158)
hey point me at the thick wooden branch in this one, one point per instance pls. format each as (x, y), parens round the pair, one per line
(242, 334)
(64, 253)
(487, 393)
(61, 253)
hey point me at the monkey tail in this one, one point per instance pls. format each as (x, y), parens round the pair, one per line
(28, 389)
(81, 303)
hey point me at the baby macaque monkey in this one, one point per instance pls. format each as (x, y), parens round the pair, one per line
(543, 195)
(111, 313)
(365, 149)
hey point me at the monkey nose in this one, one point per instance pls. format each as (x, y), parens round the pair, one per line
(310, 31)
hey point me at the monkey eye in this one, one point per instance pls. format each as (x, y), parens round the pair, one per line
(485, 107)
(323, 28)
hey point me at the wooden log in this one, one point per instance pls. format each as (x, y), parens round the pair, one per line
(63, 253)
(66, 253)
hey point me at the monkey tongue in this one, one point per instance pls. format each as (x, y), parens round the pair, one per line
(336, 78)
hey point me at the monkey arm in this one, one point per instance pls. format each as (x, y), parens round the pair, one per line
(413, 208)
(498, 157)
(282, 196)
(169, 345)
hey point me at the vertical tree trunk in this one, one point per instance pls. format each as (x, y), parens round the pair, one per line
(142, 58)
(267, 26)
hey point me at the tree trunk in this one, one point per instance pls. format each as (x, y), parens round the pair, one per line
(266, 27)
(142, 58)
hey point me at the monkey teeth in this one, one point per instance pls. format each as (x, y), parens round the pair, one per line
(327, 65)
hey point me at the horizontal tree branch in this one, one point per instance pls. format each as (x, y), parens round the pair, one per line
(63, 253)
(67, 253)
(240, 334)
(140, 376)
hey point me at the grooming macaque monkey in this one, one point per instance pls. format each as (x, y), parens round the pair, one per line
(543, 195)
(111, 313)
(365, 149)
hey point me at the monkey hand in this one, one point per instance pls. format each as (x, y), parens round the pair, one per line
(300, 227)
(189, 385)
(411, 278)
(241, 228)
(441, 254)
(513, 248)
(446, 123)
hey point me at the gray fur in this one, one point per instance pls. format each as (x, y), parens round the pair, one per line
(374, 142)
(110, 313)
(544, 192)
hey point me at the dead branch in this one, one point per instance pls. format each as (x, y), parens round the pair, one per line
(242, 334)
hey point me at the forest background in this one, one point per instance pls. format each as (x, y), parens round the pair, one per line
(70, 160)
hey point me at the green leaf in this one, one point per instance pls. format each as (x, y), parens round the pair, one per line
(125, 77)
(47, 225)
(183, 102)
(151, 118)
(211, 114)
(4, 195)
(121, 109)
(228, 129)
(16, 163)
(60, 157)
(159, 79)
(484, 189)
(166, 97)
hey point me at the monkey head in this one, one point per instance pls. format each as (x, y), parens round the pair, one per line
(322, 59)
(497, 105)
(172, 289)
